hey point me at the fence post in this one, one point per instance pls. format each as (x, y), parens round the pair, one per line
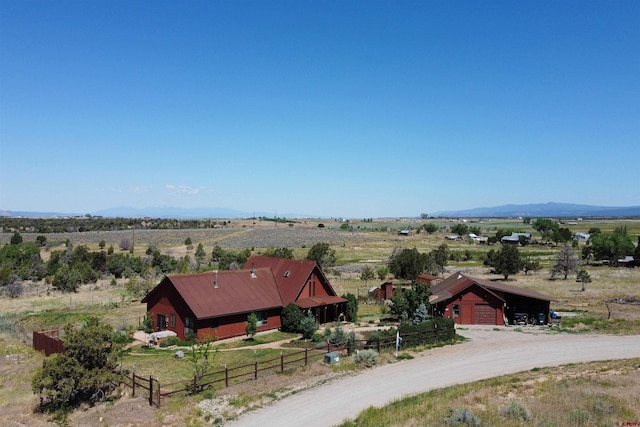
(306, 351)
(133, 384)
(255, 370)
(378, 345)
(226, 376)
(150, 390)
(158, 388)
(195, 385)
(281, 362)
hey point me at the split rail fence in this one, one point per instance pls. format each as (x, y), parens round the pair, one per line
(230, 376)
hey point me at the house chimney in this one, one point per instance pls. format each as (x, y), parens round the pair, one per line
(215, 280)
(253, 275)
(459, 275)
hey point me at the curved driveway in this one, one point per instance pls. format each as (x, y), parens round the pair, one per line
(489, 353)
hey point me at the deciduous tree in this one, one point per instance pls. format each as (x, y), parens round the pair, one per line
(323, 255)
(367, 274)
(252, 325)
(611, 246)
(382, 272)
(566, 263)
(282, 252)
(545, 226)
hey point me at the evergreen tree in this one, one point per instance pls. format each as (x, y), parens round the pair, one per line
(291, 318)
(506, 261)
(86, 368)
(421, 314)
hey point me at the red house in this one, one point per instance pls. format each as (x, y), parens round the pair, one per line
(303, 283)
(472, 301)
(218, 303)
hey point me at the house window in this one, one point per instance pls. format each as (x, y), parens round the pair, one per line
(189, 326)
(172, 320)
(263, 318)
(456, 310)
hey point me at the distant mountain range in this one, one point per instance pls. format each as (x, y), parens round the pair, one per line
(550, 209)
(154, 212)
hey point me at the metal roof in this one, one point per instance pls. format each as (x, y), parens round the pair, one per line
(214, 294)
(291, 275)
(318, 301)
(456, 283)
(264, 283)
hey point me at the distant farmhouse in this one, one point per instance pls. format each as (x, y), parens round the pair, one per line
(514, 238)
(581, 237)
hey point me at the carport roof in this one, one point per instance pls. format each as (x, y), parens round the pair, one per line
(456, 283)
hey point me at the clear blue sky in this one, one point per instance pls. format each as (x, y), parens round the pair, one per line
(329, 108)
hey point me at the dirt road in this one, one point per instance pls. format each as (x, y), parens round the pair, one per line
(489, 353)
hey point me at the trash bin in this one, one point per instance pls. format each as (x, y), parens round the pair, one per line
(332, 358)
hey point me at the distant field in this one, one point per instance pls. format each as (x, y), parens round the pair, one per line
(363, 243)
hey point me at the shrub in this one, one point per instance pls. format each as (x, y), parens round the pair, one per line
(65, 380)
(308, 326)
(463, 416)
(252, 325)
(411, 334)
(169, 341)
(352, 307)
(291, 318)
(367, 357)
(338, 337)
(515, 410)
(14, 289)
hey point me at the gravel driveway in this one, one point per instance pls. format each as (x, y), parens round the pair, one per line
(490, 352)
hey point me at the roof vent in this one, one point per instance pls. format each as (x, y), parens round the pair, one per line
(215, 280)
(286, 273)
(459, 275)
(253, 275)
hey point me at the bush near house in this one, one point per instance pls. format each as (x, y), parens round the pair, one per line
(415, 335)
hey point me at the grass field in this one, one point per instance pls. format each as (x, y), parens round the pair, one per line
(368, 244)
(593, 394)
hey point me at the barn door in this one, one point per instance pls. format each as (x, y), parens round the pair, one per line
(484, 315)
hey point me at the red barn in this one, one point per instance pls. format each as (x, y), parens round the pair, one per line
(472, 301)
(218, 303)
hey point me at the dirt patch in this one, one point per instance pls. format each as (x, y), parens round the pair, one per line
(246, 397)
(126, 411)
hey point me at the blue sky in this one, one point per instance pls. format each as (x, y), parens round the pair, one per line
(329, 108)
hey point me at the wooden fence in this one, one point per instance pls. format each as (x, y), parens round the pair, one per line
(48, 340)
(230, 376)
